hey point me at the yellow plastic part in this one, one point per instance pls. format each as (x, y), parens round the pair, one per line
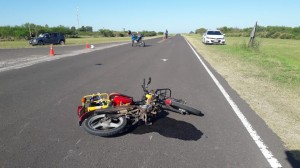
(104, 99)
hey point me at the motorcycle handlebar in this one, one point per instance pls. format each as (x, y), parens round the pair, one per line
(145, 86)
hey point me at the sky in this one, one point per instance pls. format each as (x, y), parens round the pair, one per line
(178, 16)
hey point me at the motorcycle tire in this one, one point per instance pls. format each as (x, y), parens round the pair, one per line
(104, 126)
(187, 108)
(142, 44)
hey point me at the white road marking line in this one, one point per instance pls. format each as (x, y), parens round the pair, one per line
(161, 41)
(259, 142)
(164, 60)
(25, 62)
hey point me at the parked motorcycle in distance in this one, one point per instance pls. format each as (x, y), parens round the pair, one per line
(107, 115)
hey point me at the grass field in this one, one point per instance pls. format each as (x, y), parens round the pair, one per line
(69, 41)
(267, 77)
(280, 58)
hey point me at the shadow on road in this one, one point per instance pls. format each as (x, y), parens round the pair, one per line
(146, 45)
(170, 128)
(291, 157)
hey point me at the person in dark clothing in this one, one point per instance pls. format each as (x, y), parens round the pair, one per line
(166, 34)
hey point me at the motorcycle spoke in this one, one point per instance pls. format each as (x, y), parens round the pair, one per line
(98, 125)
(115, 125)
(101, 124)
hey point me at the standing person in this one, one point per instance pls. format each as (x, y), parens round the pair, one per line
(133, 37)
(166, 34)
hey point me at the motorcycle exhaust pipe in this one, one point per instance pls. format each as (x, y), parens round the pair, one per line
(106, 112)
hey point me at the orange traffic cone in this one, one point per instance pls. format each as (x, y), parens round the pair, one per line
(87, 45)
(51, 50)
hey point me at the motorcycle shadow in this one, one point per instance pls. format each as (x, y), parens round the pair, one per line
(147, 45)
(168, 127)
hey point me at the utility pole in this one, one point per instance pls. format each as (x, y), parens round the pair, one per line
(29, 30)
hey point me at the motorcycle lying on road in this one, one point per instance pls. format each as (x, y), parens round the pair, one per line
(137, 39)
(105, 115)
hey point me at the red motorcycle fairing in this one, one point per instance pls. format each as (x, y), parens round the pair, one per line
(82, 114)
(119, 99)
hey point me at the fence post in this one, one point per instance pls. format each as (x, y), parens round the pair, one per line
(252, 36)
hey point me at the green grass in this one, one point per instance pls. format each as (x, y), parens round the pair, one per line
(15, 44)
(69, 41)
(95, 40)
(266, 77)
(280, 59)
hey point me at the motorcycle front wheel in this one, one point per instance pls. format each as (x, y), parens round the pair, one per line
(183, 107)
(105, 126)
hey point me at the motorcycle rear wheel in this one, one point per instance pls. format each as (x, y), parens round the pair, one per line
(104, 126)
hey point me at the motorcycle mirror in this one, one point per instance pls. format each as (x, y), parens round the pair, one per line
(149, 80)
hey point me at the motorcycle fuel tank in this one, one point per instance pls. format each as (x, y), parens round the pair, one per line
(120, 99)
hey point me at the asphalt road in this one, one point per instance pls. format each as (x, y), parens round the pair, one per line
(39, 125)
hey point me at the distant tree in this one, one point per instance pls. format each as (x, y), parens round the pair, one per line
(119, 33)
(73, 29)
(61, 29)
(106, 33)
(89, 28)
(29, 30)
(82, 29)
(191, 32)
(200, 31)
(148, 33)
(160, 33)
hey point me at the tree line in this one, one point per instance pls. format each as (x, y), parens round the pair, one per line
(281, 32)
(29, 30)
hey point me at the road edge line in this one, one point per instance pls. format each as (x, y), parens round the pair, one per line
(45, 58)
(259, 142)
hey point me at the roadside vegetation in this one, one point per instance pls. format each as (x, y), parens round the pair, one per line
(266, 76)
(18, 36)
(69, 41)
(275, 32)
(28, 30)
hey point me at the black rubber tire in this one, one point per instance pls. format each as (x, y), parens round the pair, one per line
(40, 43)
(106, 132)
(62, 42)
(189, 109)
(143, 44)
